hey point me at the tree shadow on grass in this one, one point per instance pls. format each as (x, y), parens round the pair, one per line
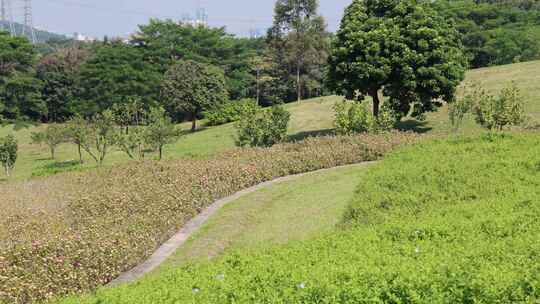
(306, 134)
(413, 125)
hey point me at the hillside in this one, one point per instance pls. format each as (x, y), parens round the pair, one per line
(309, 117)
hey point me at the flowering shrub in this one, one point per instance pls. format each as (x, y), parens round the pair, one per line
(113, 219)
(355, 117)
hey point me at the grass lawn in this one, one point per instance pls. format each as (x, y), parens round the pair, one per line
(296, 209)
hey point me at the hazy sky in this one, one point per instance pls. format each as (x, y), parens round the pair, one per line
(120, 17)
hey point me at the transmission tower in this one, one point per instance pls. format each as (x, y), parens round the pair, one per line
(28, 28)
(6, 13)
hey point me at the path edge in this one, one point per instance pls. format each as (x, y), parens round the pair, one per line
(163, 252)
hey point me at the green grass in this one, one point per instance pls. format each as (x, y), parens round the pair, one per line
(296, 209)
(310, 117)
(447, 221)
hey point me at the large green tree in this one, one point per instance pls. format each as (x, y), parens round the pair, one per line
(20, 92)
(116, 73)
(298, 43)
(164, 42)
(192, 87)
(59, 73)
(402, 48)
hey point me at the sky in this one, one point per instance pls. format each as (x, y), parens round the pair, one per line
(121, 17)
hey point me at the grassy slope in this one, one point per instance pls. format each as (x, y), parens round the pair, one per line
(441, 229)
(308, 118)
(291, 210)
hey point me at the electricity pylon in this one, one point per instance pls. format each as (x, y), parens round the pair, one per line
(28, 28)
(6, 13)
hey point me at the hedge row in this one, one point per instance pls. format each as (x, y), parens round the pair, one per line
(120, 216)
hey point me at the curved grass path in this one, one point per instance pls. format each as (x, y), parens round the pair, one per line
(305, 203)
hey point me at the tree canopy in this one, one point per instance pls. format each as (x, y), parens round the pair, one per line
(400, 47)
(193, 87)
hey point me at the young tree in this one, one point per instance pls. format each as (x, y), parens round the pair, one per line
(160, 130)
(299, 38)
(193, 87)
(400, 47)
(101, 136)
(496, 113)
(53, 136)
(78, 133)
(8, 153)
(262, 128)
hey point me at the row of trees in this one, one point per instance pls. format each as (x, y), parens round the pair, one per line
(147, 132)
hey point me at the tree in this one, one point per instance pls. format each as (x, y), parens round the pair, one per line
(164, 42)
(20, 92)
(160, 130)
(59, 73)
(101, 136)
(193, 87)
(8, 153)
(400, 47)
(78, 133)
(299, 39)
(116, 74)
(53, 136)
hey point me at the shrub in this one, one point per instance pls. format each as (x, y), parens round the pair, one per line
(496, 113)
(355, 117)
(459, 108)
(230, 111)
(113, 219)
(8, 153)
(263, 128)
(456, 223)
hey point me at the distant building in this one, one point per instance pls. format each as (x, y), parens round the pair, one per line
(83, 38)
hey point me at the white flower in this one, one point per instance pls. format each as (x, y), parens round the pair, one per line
(195, 290)
(417, 250)
(302, 285)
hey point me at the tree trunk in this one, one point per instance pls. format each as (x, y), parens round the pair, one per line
(160, 152)
(7, 170)
(376, 102)
(258, 86)
(53, 154)
(194, 123)
(80, 154)
(298, 87)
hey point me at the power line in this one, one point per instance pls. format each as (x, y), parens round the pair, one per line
(28, 27)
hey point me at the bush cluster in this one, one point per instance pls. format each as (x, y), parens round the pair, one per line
(118, 216)
(355, 117)
(453, 221)
(263, 128)
(230, 111)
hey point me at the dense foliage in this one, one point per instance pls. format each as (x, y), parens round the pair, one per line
(230, 111)
(403, 48)
(114, 219)
(263, 128)
(495, 32)
(191, 87)
(355, 117)
(452, 221)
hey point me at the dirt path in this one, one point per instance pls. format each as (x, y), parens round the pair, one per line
(169, 247)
